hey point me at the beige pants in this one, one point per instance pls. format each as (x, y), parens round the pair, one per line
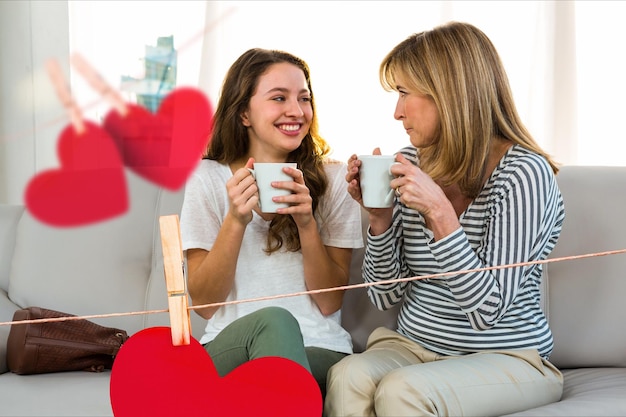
(397, 377)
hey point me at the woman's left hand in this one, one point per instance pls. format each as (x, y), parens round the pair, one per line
(300, 201)
(417, 190)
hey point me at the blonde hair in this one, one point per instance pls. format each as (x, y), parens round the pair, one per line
(459, 68)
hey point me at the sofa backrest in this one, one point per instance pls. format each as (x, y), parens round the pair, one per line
(586, 298)
(111, 266)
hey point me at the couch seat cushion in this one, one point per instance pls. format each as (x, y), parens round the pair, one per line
(588, 392)
(59, 394)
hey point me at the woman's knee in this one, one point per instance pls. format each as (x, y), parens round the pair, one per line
(275, 314)
(396, 396)
(276, 320)
(352, 372)
(349, 388)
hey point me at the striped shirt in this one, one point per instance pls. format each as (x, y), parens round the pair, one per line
(517, 217)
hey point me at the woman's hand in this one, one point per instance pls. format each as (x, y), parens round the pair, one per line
(354, 181)
(417, 190)
(242, 194)
(379, 218)
(300, 201)
(352, 178)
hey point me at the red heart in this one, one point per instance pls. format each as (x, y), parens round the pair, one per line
(90, 186)
(164, 147)
(152, 377)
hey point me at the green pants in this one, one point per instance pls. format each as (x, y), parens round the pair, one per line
(271, 331)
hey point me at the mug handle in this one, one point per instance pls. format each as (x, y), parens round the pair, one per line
(254, 176)
(392, 192)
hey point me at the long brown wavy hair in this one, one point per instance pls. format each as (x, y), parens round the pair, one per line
(459, 68)
(229, 139)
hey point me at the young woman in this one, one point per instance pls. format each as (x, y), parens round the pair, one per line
(473, 190)
(266, 113)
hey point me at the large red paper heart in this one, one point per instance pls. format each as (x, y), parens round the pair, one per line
(90, 186)
(151, 377)
(164, 147)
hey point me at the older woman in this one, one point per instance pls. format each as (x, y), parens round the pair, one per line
(473, 190)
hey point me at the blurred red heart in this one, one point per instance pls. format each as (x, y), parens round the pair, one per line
(151, 377)
(165, 147)
(90, 185)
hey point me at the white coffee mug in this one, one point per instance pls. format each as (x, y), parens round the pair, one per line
(375, 176)
(265, 173)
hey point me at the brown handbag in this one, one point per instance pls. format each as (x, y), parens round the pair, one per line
(71, 345)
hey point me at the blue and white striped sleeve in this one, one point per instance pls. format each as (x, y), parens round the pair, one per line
(383, 259)
(382, 263)
(526, 207)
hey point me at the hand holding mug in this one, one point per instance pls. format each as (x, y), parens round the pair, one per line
(300, 202)
(353, 177)
(417, 190)
(374, 179)
(242, 193)
(267, 173)
(369, 178)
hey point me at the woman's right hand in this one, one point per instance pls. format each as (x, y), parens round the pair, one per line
(379, 218)
(243, 193)
(352, 178)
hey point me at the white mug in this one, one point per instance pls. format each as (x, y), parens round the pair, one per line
(375, 176)
(265, 173)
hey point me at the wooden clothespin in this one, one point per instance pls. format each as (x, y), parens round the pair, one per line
(175, 280)
(63, 92)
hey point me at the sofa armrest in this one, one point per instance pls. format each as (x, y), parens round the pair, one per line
(7, 308)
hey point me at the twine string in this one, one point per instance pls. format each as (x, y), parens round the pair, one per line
(323, 290)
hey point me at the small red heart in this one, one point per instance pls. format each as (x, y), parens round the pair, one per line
(151, 377)
(165, 147)
(90, 185)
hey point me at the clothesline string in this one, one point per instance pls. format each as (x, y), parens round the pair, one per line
(323, 290)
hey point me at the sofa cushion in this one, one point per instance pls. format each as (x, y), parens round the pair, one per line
(58, 394)
(586, 297)
(586, 393)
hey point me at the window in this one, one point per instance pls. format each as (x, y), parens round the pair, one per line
(344, 41)
(140, 48)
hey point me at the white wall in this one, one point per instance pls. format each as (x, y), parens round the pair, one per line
(30, 33)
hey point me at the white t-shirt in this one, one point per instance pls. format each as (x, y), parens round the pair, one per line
(259, 274)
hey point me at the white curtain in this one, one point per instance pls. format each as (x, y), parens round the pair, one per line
(565, 61)
(343, 42)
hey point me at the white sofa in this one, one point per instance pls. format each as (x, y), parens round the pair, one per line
(116, 266)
